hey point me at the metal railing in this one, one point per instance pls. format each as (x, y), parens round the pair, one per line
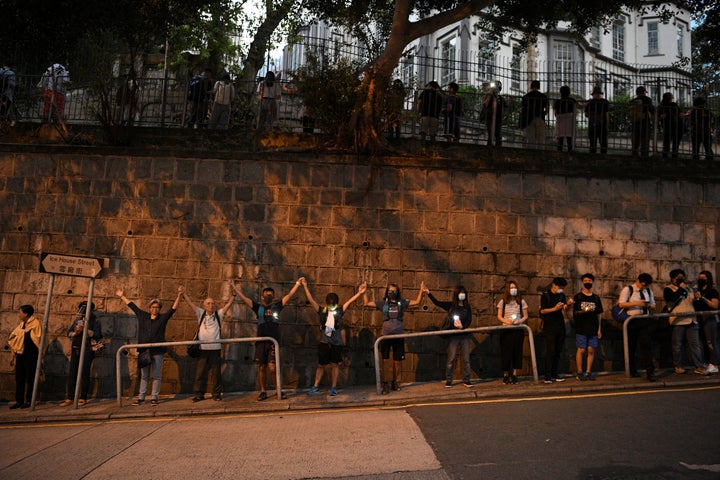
(196, 342)
(376, 350)
(626, 346)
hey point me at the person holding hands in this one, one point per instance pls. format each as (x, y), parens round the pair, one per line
(151, 329)
(331, 338)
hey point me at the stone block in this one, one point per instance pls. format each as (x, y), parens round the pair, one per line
(553, 227)
(438, 181)
(185, 170)
(613, 248)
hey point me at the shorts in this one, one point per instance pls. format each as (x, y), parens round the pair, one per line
(328, 353)
(398, 348)
(584, 341)
(264, 353)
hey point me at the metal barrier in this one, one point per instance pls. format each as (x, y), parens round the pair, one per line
(531, 338)
(626, 347)
(197, 342)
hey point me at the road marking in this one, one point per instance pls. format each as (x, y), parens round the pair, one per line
(709, 468)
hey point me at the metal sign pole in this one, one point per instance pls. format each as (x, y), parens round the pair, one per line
(43, 336)
(83, 346)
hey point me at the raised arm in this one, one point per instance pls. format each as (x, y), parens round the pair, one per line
(119, 292)
(187, 298)
(229, 303)
(181, 290)
(419, 296)
(239, 293)
(361, 291)
(292, 291)
(366, 302)
(310, 298)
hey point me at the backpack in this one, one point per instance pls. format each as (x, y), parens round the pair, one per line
(194, 91)
(636, 112)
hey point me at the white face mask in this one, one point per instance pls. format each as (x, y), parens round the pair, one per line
(461, 297)
(513, 292)
(559, 290)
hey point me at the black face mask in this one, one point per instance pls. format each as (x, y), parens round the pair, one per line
(587, 285)
(702, 283)
(392, 294)
(679, 280)
(268, 299)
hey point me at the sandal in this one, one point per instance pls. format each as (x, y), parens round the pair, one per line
(262, 396)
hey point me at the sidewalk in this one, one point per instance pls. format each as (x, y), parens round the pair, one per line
(351, 397)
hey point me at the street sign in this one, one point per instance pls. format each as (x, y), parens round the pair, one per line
(69, 265)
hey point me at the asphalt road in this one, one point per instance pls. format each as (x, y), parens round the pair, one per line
(657, 435)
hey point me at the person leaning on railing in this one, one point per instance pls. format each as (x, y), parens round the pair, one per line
(679, 298)
(638, 299)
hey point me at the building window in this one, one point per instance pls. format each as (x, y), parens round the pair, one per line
(652, 38)
(515, 73)
(596, 36)
(486, 59)
(563, 64)
(618, 33)
(448, 61)
(408, 71)
(680, 35)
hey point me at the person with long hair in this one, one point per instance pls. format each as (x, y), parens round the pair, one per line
(269, 93)
(459, 317)
(706, 299)
(512, 310)
(393, 307)
(565, 118)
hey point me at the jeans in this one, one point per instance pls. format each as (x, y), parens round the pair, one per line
(157, 363)
(455, 341)
(710, 334)
(690, 332)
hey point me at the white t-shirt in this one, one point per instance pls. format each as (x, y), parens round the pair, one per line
(512, 310)
(209, 329)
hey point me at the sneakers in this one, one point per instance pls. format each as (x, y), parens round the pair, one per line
(506, 380)
(711, 368)
(313, 390)
(468, 383)
(385, 388)
(513, 379)
(262, 396)
(197, 398)
(559, 379)
(448, 384)
(679, 370)
(66, 403)
(700, 371)
(81, 402)
(217, 398)
(333, 391)
(581, 376)
(395, 386)
(589, 376)
(154, 402)
(138, 402)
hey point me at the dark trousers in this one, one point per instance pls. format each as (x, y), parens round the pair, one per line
(671, 139)
(598, 133)
(640, 335)
(553, 348)
(25, 366)
(209, 359)
(511, 349)
(641, 138)
(699, 138)
(73, 371)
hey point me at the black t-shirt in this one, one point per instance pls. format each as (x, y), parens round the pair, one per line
(553, 322)
(586, 313)
(268, 317)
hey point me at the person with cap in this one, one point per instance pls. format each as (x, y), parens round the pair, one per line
(75, 334)
(151, 329)
(641, 111)
(597, 111)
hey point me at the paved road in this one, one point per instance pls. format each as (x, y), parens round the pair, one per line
(654, 435)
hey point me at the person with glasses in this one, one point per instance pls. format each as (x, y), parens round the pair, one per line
(151, 329)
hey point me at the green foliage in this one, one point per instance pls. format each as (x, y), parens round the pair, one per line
(329, 90)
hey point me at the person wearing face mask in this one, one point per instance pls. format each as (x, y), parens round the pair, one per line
(459, 318)
(267, 312)
(706, 299)
(638, 299)
(553, 304)
(587, 308)
(209, 328)
(393, 308)
(331, 338)
(679, 299)
(512, 310)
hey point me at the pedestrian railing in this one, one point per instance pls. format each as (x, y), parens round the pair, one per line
(196, 342)
(376, 349)
(626, 346)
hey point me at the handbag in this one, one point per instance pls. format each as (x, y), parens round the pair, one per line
(619, 314)
(144, 359)
(194, 349)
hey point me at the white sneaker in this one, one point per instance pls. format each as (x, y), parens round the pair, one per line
(711, 368)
